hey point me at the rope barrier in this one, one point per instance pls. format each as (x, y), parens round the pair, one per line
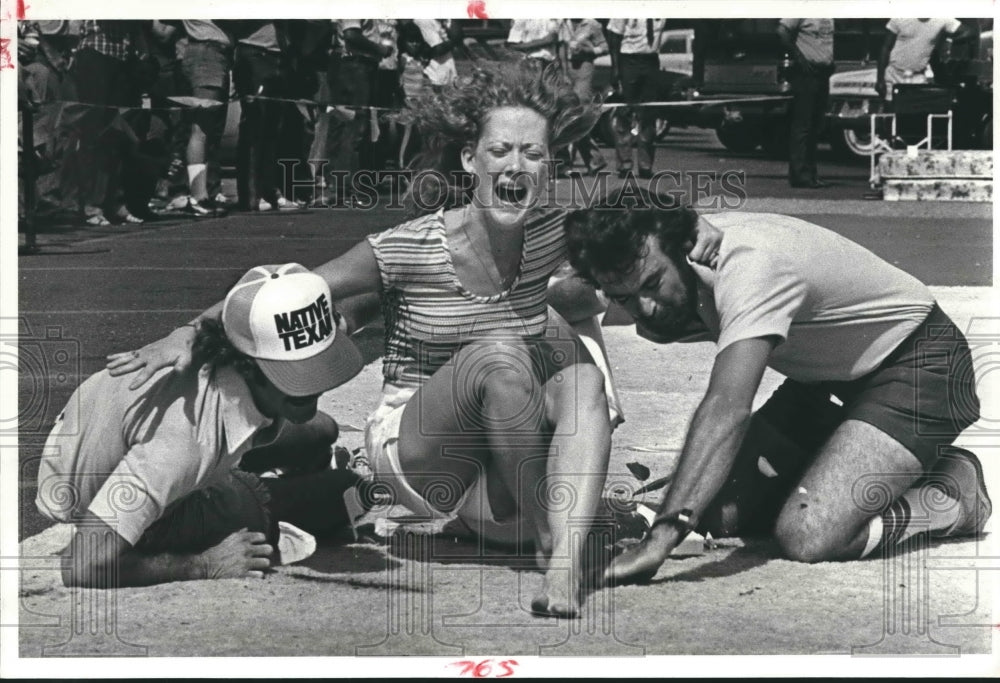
(188, 103)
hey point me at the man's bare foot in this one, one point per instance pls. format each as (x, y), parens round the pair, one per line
(557, 599)
(241, 554)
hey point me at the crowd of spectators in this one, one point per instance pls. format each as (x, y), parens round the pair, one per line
(130, 115)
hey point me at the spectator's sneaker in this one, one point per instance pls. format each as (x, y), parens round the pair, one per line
(222, 200)
(125, 216)
(218, 209)
(195, 208)
(264, 205)
(178, 203)
(285, 204)
(961, 475)
(97, 219)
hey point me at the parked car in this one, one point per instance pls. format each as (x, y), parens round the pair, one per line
(742, 62)
(853, 99)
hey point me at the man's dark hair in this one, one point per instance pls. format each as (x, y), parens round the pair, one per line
(610, 237)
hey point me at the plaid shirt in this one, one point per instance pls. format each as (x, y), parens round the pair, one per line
(111, 38)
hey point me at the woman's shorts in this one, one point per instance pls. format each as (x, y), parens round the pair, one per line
(382, 444)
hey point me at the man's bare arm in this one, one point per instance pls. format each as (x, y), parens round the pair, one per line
(99, 557)
(717, 430)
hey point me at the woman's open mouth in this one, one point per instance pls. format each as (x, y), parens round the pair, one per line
(512, 193)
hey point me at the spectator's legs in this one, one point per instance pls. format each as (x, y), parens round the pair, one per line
(388, 93)
(206, 65)
(808, 105)
(649, 68)
(632, 82)
(583, 78)
(353, 87)
(256, 73)
(103, 138)
(317, 158)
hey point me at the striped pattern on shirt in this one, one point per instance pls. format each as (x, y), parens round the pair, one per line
(429, 314)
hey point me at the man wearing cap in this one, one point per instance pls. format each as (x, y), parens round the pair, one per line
(149, 475)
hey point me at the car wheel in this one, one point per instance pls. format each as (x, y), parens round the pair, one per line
(851, 143)
(738, 137)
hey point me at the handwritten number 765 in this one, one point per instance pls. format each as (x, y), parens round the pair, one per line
(485, 668)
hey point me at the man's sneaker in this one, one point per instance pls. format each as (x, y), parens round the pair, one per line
(961, 475)
(264, 205)
(196, 209)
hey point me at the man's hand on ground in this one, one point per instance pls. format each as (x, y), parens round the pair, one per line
(241, 554)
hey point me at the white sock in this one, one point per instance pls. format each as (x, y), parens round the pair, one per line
(198, 180)
(933, 511)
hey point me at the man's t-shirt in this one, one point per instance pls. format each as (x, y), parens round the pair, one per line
(530, 30)
(126, 456)
(837, 309)
(639, 36)
(813, 38)
(915, 41)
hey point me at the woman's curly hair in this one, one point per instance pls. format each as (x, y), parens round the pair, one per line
(452, 117)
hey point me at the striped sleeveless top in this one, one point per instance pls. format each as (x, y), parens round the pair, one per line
(429, 315)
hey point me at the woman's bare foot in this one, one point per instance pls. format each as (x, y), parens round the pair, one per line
(557, 598)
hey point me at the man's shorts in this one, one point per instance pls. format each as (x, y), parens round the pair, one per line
(922, 395)
(206, 64)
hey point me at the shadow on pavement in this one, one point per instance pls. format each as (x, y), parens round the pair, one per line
(740, 560)
(356, 558)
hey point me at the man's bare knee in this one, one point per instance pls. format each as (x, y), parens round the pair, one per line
(803, 538)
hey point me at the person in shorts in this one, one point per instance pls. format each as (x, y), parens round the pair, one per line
(206, 60)
(149, 476)
(879, 383)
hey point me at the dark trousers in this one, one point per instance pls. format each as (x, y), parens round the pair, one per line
(640, 75)
(810, 90)
(388, 93)
(353, 84)
(258, 72)
(103, 143)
